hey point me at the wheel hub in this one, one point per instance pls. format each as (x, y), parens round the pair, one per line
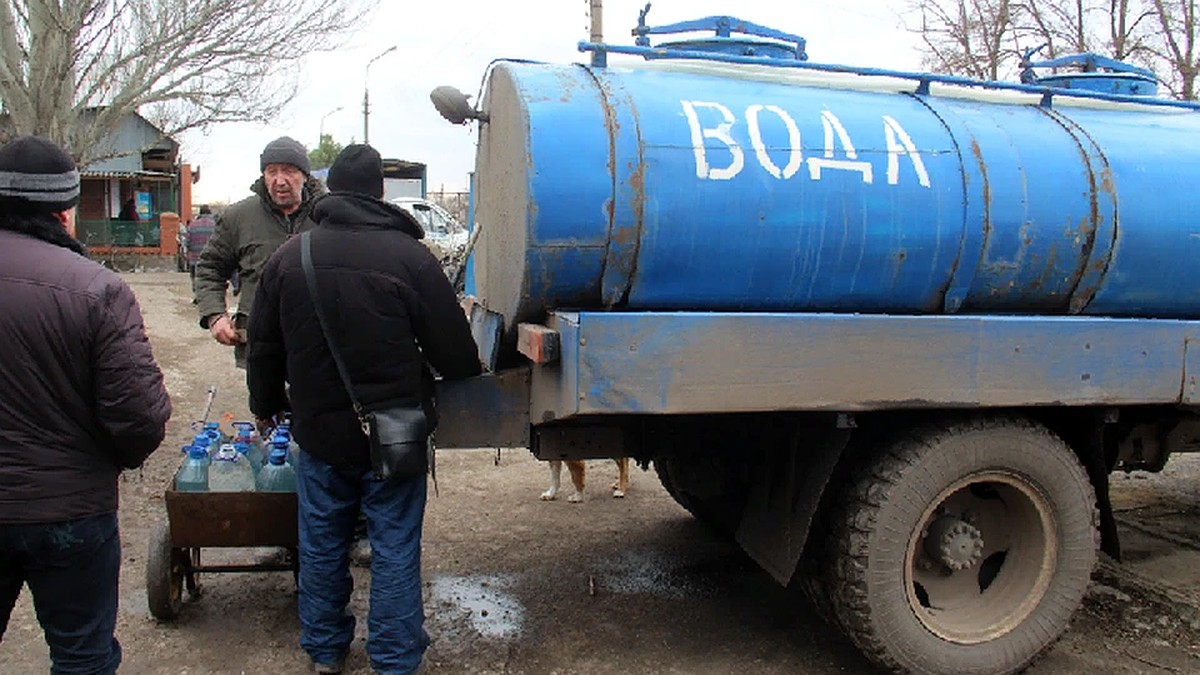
(954, 543)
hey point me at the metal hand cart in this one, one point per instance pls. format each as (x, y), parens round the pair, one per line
(198, 520)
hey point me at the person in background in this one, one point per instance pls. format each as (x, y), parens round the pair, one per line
(129, 210)
(81, 398)
(247, 233)
(199, 231)
(392, 314)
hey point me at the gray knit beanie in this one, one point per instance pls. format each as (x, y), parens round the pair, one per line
(284, 150)
(37, 176)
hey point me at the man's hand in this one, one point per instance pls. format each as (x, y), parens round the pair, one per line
(221, 327)
(266, 425)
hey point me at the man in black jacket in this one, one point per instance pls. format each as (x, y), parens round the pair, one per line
(392, 313)
(80, 399)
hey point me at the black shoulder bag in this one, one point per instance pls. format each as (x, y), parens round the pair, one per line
(399, 435)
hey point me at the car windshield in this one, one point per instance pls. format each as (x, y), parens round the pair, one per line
(431, 220)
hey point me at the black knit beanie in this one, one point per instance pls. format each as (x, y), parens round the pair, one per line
(37, 176)
(358, 168)
(284, 150)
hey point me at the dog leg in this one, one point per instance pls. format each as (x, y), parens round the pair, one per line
(622, 483)
(555, 472)
(576, 467)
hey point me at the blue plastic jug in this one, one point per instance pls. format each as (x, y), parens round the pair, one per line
(193, 474)
(230, 471)
(277, 475)
(252, 452)
(204, 442)
(293, 448)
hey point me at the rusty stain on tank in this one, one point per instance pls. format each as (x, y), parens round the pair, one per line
(977, 152)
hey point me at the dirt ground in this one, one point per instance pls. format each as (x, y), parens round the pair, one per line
(516, 585)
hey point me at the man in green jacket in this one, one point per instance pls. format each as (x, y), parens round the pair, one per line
(246, 235)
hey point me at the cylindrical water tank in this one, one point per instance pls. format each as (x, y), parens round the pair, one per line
(692, 186)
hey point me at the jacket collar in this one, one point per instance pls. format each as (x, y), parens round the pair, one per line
(346, 210)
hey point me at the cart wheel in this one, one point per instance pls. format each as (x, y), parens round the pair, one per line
(164, 576)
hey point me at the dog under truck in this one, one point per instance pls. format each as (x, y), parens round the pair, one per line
(889, 331)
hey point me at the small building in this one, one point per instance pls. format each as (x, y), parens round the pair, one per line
(123, 197)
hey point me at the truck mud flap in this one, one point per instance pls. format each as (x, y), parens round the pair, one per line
(786, 492)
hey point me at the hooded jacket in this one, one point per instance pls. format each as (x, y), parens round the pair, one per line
(81, 396)
(391, 311)
(246, 235)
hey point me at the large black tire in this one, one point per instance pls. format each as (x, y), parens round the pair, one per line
(707, 488)
(815, 577)
(964, 549)
(164, 576)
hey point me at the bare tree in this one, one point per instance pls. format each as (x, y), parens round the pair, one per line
(1063, 27)
(965, 37)
(1130, 25)
(1176, 44)
(985, 38)
(1117, 28)
(72, 70)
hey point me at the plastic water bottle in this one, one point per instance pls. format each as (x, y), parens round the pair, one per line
(213, 429)
(246, 433)
(203, 441)
(277, 475)
(230, 472)
(193, 475)
(293, 450)
(251, 452)
(281, 443)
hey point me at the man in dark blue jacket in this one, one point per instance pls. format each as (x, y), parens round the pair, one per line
(392, 314)
(80, 399)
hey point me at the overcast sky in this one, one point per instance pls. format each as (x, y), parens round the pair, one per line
(452, 41)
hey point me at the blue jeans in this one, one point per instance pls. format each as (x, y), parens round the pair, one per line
(72, 569)
(330, 500)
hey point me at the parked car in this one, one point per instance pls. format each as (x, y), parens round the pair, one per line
(440, 227)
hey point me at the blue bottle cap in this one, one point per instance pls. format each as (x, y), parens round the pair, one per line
(278, 457)
(197, 452)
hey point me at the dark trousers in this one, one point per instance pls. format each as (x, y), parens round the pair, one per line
(329, 500)
(71, 569)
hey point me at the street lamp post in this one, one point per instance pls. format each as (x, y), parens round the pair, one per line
(321, 128)
(366, 94)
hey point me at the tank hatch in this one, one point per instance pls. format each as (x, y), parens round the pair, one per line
(759, 40)
(1090, 72)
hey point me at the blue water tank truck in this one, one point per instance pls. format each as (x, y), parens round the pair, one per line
(890, 331)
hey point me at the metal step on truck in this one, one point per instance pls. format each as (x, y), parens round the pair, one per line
(889, 331)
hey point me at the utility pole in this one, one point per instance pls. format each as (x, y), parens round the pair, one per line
(367, 95)
(597, 21)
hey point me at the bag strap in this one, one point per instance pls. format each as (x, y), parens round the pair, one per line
(310, 276)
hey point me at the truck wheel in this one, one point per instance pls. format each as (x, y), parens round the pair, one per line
(964, 549)
(706, 487)
(164, 576)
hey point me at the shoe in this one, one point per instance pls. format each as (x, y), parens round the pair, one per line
(360, 552)
(330, 668)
